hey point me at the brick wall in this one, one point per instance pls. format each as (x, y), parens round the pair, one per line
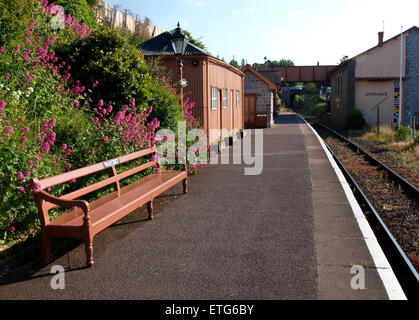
(411, 94)
(264, 96)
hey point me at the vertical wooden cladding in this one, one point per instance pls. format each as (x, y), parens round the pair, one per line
(204, 73)
(193, 72)
(223, 76)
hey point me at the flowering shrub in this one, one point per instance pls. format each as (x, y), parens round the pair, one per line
(46, 123)
(122, 73)
(52, 121)
(81, 9)
(34, 92)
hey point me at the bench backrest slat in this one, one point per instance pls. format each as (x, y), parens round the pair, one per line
(78, 173)
(98, 185)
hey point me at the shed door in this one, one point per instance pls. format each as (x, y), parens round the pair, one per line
(249, 110)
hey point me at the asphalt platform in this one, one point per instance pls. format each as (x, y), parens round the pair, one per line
(287, 233)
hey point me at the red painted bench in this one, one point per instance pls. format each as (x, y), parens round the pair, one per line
(88, 219)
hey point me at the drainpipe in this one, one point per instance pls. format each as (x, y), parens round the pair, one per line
(401, 83)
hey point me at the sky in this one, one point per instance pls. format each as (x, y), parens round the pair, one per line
(304, 31)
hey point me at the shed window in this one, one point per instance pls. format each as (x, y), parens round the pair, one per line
(238, 98)
(225, 98)
(214, 99)
(232, 98)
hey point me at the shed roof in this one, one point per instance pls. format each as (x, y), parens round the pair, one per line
(269, 83)
(161, 45)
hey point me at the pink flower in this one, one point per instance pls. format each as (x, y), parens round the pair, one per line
(105, 139)
(8, 130)
(68, 166)
(52, 122)
(2, 104)
(23, 139)
(45, 146)
(35, 187)
(67, 151)
(64, 146)
(12, 229)
(20, 175)
(37, 158)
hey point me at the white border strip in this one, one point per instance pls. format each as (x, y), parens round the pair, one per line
(391, 284)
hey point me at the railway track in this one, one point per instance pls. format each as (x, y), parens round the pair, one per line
(390, 203)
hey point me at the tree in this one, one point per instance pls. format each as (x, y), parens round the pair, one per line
(280, 63)
(286, 63)
(243, 62)
(234, 63)
(196, 42)
(274, 63)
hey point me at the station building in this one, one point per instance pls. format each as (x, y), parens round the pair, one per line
(216, 87)
(371, 80)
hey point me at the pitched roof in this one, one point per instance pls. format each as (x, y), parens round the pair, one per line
(269, 83)
(414, 28)
(161, 45)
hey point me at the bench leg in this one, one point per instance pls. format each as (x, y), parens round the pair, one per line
(88, 243)
(46, 248)
(185, 186)
(150, 209)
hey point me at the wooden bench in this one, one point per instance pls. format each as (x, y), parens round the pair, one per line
(88, 219)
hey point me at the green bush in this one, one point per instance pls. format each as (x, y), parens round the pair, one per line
(403, 133)
(15, 16)
(355, 119)
(48, 125)
(83, 10)
(299, 100)
(107, 58)
(122, 74)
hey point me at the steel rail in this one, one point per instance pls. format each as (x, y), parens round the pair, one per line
(408, 186)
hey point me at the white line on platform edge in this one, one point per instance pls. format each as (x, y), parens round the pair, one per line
(391, 284)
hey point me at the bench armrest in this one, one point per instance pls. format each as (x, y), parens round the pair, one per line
(62, 202)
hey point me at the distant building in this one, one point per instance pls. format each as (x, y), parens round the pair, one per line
(215, 86)
(371, 79)
(259, 94)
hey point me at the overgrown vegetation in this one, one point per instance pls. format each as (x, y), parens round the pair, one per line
(313, 106)
(355, 119)
(69, 96)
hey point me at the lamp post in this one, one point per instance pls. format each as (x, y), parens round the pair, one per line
(179, 42)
